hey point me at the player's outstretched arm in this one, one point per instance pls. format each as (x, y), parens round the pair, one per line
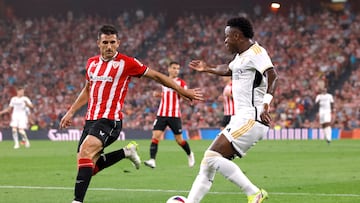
(6, 110)
(191, 94)
(81, 100)
(202, 66)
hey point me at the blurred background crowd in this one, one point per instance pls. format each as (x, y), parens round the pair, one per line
(311, 49)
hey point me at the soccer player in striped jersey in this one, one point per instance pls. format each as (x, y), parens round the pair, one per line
(20, 106)
(169, 114)
(107, 79)
(253, 84)
(325, 101)
(228, 102)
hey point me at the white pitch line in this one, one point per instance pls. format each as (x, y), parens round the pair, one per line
(172, 191)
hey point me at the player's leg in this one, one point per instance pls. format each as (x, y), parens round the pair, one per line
(231, 141)
(111, 158)
(14, 124)
(90, 146)
(241, 139)
(15, 137)
(88, 150)
(176, 127)
(202, 182)
(154, 145)
(325, 120)
(327, 131)
(24, 136)
(158, 130)
(220, 155)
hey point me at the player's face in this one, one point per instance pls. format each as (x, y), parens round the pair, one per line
(231, 38)
(20, 92)
(108, 45)
(174, 70)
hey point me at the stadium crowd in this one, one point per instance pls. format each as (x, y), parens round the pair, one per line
(310, 51)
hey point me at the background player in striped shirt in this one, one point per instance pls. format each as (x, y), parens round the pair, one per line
(253, 84)
(228, 102)
(107, 79)
(19, 106)
(325, 101)
(169, 114)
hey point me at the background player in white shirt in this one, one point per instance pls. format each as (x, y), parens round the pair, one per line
(20, 106)
(325, 101)
(169, 114)
(253, 84)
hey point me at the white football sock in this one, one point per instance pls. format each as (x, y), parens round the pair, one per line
(15, 137)
(327, 133)
(201, 184)
(232, 172)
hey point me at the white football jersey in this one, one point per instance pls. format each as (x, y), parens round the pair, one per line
(249, 83)
(324, 100)
(19, 106)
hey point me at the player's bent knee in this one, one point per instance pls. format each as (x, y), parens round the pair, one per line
(210, 158)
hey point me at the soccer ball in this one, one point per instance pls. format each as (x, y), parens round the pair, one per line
(176, 199)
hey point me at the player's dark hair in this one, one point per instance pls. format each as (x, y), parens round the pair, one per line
(173, 62)
(20, 86)
(107, 30)
(243, 24)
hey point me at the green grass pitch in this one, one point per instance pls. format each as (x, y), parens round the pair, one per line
(304, 171)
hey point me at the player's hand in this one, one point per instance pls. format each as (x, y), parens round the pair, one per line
(198, 65)
(193, 94)
(66, 120)
(265, 115)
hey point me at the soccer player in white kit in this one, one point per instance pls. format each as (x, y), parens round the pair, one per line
(20, 106)
(253, 84)
(325, 101)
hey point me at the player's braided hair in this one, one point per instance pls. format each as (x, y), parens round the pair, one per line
(108, 30)
(243, 24)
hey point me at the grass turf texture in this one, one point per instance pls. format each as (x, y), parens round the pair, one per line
(291, 171)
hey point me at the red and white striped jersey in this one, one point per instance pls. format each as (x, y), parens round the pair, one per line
(170, 100)
(228, 101)
(108, 83)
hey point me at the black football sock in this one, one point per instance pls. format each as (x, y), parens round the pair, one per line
(109, 159)
(154, 148)
(83, 178)
(186, 147)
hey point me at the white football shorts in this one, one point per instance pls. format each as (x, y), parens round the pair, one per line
(244, 133)
(325, 117)
(19, 122)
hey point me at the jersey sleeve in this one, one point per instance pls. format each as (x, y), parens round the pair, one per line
(135, 67)
(89, 61)
(261, 59)
(27, 100)
(183, 84)
(317, 99)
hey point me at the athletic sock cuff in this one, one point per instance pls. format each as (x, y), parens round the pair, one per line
(85, 163)
(155, 141)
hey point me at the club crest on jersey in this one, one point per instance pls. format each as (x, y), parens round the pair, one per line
(116, 64)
